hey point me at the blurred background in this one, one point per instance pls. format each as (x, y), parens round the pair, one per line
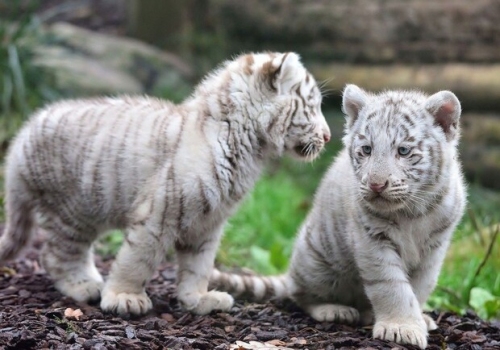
(53, 49)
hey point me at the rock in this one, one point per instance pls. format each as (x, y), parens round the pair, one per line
(89, 63)
(76, 75)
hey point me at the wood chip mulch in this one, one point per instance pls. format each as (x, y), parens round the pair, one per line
(33, 315)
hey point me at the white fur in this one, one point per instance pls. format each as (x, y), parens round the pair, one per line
(168, 175)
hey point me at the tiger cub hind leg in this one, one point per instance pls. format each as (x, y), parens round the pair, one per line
(333, 313)
(204, 303)
(70, 263)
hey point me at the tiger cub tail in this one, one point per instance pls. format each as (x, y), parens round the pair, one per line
(20, 221)
(256, 288)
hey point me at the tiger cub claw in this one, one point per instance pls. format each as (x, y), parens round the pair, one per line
(126, 303)
(401, 333)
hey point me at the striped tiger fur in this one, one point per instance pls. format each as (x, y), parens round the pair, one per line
(373, 244)
(169, 175)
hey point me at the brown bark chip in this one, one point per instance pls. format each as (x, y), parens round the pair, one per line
(33, 315)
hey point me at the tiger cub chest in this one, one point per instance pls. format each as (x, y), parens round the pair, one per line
(414, 239)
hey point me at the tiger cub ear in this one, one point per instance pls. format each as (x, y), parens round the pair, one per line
(445, 108)
(284, 71)
(353, 100)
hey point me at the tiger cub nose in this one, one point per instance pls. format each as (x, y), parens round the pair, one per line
(378, 188)
(326, 137)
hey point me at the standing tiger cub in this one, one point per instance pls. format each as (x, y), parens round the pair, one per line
(169, 175)
(373, 244)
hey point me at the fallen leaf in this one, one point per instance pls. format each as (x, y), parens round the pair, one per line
(299, 341)
(276, 342)
(7, 271)
(240, 345)
(168, 317)
(70, 313)
(474, 337)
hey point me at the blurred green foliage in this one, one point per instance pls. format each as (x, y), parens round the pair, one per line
(23, 86)
(469, 278)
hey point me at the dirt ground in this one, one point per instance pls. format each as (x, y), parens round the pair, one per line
(33, 315)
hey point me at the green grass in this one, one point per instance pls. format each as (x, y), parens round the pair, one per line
(470, 272)
(260, 235)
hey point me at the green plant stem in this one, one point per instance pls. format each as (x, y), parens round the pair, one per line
(475, 224)
(451, 293)
(488, 252)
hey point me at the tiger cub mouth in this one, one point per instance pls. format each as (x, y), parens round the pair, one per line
(307, 150)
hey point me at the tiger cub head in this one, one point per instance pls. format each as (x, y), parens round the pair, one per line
(285, 100)
(402, 145)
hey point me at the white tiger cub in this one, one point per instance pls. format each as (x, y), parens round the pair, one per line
(170, 175)
(382, 219)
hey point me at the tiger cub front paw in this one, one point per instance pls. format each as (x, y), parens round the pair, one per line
(402, 333)
(333, 313)
(125, 303)
(202, 304)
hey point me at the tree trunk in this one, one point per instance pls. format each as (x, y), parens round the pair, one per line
(160, 22)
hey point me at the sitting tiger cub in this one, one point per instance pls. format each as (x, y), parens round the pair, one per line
(374, 242)
(169, 175)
